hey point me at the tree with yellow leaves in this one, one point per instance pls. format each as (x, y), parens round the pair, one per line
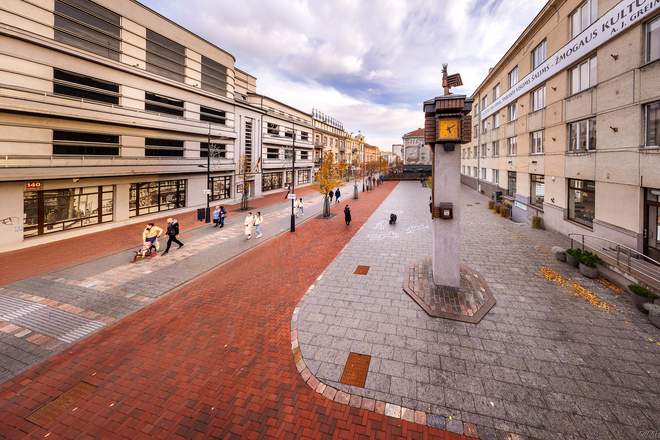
(244, 171)
(329, 178)
(342, 168)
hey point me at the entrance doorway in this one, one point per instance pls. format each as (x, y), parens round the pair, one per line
(652, 223)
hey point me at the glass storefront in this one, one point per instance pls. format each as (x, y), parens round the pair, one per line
(537, 193)
(64, 209)
(303, 176)
(512, 182)
(220, 187)
(652, 223)
(582, 201)
(150, 197)
(271, 181)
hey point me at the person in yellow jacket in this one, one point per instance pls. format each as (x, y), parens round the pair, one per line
(151, 234)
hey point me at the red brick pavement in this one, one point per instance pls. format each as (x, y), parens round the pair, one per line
(36, 260)
(211, 360)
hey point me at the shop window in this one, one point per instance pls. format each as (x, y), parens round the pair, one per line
(273, 128)
(583, 16)
(147, 198)
(496, 148)
(512, 144)
(214, 76)
(165, 57)
(582, 201)
(538, 55)
(88, 26)
(271, 181)
(85, 144)
(653, 125)
(217, 150)
(537, 192)
(303, 176)
(538, 142)
(584, 75)
(582, 135)
(513, 77)
(653, 40)
(65, 209)
(513, 111)
(161, 104)
(220, 187)
(212, 115)
(513, 180)
(84, 87)
(164, 147)
(538, 99)
(272, 153)
(288, 176)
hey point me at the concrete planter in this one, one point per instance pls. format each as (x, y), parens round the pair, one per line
(639, 302)
(561, 256)
(655, 319)
(570, 259)
(589, 272)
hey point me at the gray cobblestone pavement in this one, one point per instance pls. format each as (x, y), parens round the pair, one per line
(542, 363)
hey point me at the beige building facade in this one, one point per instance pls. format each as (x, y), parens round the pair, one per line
(414, 151)
(567, 124)
(329, 136)
(109, 114)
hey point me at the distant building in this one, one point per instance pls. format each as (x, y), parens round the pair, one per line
(414, 151)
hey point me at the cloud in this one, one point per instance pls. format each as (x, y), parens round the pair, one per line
(368, 63)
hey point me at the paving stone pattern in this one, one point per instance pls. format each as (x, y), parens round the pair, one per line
(541, 364)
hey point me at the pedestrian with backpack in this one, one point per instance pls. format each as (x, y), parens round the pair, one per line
(172, 234)
(331, 194)
(337, 194)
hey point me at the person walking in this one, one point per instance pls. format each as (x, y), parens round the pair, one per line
(216, 216)
(337, 195)
(223, 214)
(151, 234)
(249, 222)
(331, 194)
(347, 215)
(258, 220)
(299, 204)
(172, 234)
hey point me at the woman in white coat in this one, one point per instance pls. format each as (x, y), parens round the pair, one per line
(258, 220)
(249, 222)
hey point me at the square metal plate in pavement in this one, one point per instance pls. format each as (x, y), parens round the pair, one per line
(356, 369)
(362, 270)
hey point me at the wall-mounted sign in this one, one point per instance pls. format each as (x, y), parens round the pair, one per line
(616, 20)
(32, 186)
(520, 205)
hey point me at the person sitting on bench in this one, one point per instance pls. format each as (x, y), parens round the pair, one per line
(392, 219)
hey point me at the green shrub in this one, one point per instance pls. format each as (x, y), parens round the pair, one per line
(589, 259)
(491, 204)
(496, 208)
(577, 253)
(503, 211)
(640, 291)
(537, 223)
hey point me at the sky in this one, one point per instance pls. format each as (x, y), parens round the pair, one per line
(369, 64)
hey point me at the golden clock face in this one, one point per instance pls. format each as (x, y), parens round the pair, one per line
(447, 128)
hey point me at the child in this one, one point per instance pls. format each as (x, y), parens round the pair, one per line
(392, 219)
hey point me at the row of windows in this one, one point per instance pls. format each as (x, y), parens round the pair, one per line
(88, 26)
(584, 75)
(274, 153)
(581, 136)
(272, 128)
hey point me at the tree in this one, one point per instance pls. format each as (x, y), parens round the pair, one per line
(383, 166)
(244, 171)
(329, 178)
(342, 168)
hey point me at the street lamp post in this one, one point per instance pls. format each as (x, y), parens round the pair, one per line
(293, 179)
(208, 178)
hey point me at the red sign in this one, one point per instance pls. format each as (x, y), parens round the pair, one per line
(32, 186)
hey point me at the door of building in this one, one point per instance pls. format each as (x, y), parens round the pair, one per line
(652, 223)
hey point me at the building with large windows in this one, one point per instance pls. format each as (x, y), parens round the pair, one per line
(414, 151)
(568, 122)
(109, 112)
(329, 136)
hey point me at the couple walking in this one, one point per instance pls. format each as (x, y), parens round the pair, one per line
(219, 216)
(251, 221)
(151, 234)
(336, 194)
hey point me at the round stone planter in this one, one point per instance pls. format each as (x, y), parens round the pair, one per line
(561, 256)
(655, 319)
(639, 302)
(570, 259)
(589, 272)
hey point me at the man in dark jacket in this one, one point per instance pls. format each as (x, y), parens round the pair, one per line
(172, 234)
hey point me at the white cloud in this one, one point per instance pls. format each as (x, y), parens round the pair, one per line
(367, 63)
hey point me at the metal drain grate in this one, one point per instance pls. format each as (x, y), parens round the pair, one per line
(46, 320)
(362, 270)
(356, 369)
(56, 407)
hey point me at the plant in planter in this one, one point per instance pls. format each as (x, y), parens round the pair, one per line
(537, 222)
(588, 262)
(503, 211)
(572, 256)
(654, 313)
(642, 296)
(560, 253)
(491, 204)
(496, 208)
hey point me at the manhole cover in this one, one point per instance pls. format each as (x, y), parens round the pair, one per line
(362, 270)
(356, 369)
(56, 407)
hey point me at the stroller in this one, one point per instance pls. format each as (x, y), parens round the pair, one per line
(148, 250)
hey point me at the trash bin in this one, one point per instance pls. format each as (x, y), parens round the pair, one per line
(201, 214)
